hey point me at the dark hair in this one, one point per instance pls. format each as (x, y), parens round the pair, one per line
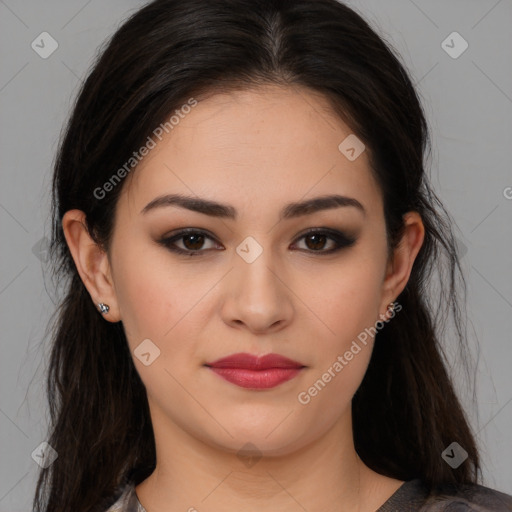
(406, 411)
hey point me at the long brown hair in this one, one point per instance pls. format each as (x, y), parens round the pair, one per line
(406, 411)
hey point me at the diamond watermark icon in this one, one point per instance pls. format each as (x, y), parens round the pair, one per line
(146, 352)
(351, 147)
(454, 455)
(41, 249)
(454, 45)
(249, 454)
(249, 249)
(44, 45)
(462, 248)
(44, 455)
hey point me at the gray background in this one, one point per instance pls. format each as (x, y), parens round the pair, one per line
(468, 101)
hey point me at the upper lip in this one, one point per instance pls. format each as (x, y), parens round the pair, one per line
(252, 362)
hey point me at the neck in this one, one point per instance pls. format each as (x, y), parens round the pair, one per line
(323, 474)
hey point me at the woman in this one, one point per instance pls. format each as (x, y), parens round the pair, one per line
(242, 211)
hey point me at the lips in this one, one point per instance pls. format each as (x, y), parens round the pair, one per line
(256, 372)
(250, 362)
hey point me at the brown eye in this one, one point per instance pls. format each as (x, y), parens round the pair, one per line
(192, 242)
(316, 240)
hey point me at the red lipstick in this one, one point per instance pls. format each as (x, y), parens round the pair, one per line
(253, 372)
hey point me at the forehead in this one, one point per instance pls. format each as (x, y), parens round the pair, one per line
(263, 146)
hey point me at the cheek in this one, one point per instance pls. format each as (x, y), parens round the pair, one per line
(141, 299)
(159, 303)
(343, 353)
(348, 300)
(348, 307)
(146, 294)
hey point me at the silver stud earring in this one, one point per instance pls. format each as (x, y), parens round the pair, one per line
(104, 308)
(391, 307)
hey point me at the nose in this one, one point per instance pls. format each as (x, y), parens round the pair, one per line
(257, 295)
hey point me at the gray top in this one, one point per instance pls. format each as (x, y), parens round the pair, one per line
(411, 496)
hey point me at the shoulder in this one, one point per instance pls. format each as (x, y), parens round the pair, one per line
(414, 496)
(468, 497)
(126, 501)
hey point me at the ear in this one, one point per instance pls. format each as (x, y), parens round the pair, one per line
(400, 266)
(91, 262)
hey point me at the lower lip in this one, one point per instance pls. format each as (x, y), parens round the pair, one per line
(256, 379)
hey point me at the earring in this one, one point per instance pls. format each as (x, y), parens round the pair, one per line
(391, 307)
(104, 308)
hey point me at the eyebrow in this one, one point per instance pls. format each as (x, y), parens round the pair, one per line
(225, 211)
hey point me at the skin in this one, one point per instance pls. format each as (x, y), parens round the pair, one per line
(256, 150)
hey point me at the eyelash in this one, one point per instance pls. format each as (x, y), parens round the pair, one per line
(342, 241)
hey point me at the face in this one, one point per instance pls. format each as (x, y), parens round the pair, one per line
(255, 276)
